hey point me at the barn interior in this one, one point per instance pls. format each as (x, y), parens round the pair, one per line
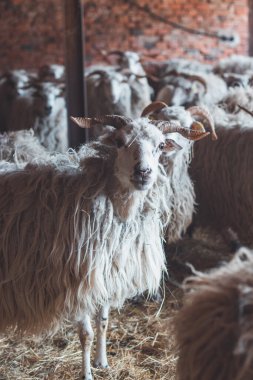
(92, 58)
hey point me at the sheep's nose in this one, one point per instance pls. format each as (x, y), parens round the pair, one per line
(48, 109)
(142, 171)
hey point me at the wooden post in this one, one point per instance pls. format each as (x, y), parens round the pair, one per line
(250, 20)
(74, 64)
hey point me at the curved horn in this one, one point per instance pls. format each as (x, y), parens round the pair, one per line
(152, 107)
(115, 121)
(191, 77)
(203, 113)
(245, 110)
(196, 132)
(128, 72)
(116, 52)
(97, 72)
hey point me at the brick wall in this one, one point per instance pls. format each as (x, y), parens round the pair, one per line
(32, 31)
(123, 26)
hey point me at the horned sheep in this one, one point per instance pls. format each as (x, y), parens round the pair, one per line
(122, 89)
(12, 84)
(237, 64)
(28, 102)
(179, 194)
(96, 231)
(41, 107)
(188, 88)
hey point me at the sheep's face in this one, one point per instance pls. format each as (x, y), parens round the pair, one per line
(183, 92)
(45, 97)
(117, 87)
(180, 114)
(139, 146)
(111, 84)
(131, 60)
(53, 71)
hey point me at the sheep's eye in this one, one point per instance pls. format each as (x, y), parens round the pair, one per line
(236, 84)
(119, 142)
(161, 146)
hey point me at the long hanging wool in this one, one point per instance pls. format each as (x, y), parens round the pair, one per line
(222, 174)
(66, 247)
(179, 195)
(182, 198)
(214, 328)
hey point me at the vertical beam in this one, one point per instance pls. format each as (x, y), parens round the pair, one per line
(250, 19)
(74, 68)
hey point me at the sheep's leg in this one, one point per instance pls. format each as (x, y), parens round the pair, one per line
(101, 324)
(86, 336)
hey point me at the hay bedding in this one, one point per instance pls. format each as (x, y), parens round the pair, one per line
(141, 344)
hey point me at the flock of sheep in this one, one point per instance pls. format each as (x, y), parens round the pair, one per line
(83, 230)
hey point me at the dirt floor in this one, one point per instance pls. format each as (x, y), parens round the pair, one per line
(141, 341)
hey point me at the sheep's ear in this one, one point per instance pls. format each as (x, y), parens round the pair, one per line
(83, 122)
(171, 145)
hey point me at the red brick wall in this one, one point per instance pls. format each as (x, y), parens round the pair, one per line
(32, 31)
(122, 26)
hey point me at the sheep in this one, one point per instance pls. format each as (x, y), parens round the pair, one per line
(121, 89)
(89, 232)
(21, 147)
(51, 121)
(157, 70)
(11, 86)
(51, 72)
(130, 64)
(188, 89)
(235, 97)
(236, 80)
(182, 65)
(129, 60)
(180, 193)
(41, 107)
(107, 92)
(223, 180)
(214, 327)
(237, 64)
(236, 70)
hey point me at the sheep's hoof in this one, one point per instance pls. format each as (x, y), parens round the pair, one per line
(98, 364)
(86, 377)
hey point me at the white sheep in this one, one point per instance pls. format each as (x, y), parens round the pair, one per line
(122, 89)
(188, 88)
(28, 102)
(12, 84)
(21, 147)
(182, 64)
(235, 97)
(89, 233)
(41, 106)
(51, 72)
(234, 80)
(238, 64)
(179, 194)
(130, 63)
(107, 92)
